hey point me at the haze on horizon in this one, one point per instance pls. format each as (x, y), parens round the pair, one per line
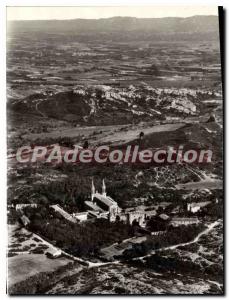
(98, 12)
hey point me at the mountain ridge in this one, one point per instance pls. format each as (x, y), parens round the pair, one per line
(124, 24)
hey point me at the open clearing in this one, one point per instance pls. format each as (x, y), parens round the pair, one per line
(24, 263)
(24, 266)
(201, 185)
(121, 134)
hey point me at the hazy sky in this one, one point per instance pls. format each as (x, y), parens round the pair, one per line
(90, 12)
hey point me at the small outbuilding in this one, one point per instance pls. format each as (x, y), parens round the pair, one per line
(55, 253)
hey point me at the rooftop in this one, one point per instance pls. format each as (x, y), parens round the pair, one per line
(185, 219)
(93, 206)
(105, 199)
(200, 204)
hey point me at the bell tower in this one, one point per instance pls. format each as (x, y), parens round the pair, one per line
(104, 189)
(92, 190)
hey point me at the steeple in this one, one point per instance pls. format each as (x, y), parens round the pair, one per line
(104, 189)
(92, 190)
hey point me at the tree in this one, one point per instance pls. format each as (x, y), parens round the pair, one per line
(141, 135)
(86, 144)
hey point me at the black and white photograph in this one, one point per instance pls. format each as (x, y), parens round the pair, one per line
(115, 150)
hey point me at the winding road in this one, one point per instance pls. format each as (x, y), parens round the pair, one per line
(100, 264)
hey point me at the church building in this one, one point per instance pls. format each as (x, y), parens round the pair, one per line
(103, 204)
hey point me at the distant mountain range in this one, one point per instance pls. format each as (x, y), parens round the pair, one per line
(170, 25)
